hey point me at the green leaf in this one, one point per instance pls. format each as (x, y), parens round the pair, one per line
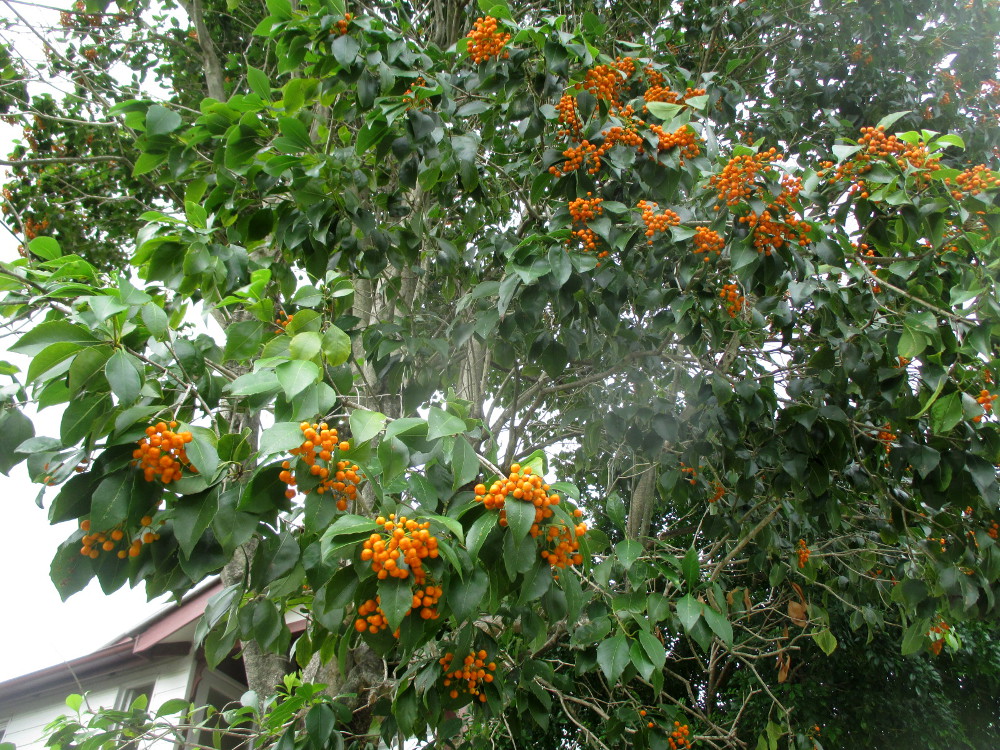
(51, 356)
(81, 417)
(395, 599)
(350, 525)
(345, 49)
(697, 102)
(52, 332)
(640, 661)
(160, 120)
(296, 376)
(123, 377)
(466, 597)
(719, 624)
(479, 531)
(464, 462)
(520, 517)
(202, 454)
(666, 111)
(15, 428)
(691, 566)
(155, 319)
(110, 502)
(628, 551)
(951, 139)
(70, 571)
(365, 425)
(911, 343)
(560, 263)
(914, 637)
(258, 83)
(946, 413)
(890, 119)
(440, 424)
(280, 437)
(305, 346)
(613, 657)
(688, 611)
(193, 515)
(615, 508)
(46, 248)
(336, 346)
(255, 383)
(825, 640)
(655, 651)
(147, 162)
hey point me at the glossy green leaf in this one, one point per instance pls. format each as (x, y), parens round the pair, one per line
(123, 377)
(613, 657)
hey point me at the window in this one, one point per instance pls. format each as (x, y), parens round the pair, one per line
(127, 695)
(214, 735)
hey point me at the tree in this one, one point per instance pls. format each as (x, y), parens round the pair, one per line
(680, 397)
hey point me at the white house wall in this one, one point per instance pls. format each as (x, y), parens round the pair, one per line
(27, 719)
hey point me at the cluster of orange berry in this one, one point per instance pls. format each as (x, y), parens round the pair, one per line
(583, 210)
(864, 250)
(577, 156)
(588, 240)
(973, 181)
(603, 81)
(565, 547)
(372, 618)
(706, 242)
(994, 530)
(985, 400)
(887, 436)
(486, 42)
(678, 739)
(732, 299)
(718, 492)
(627, 134)
(626, 65)
(92, 544)
(33, 228)
(528, 487)
(951, 80)
(736, 181)
(316, 451)
(408, 97)
(161, 453)
(876, 143)
(939, 630)
(569, 117)
(342, 24)
(283, 319)
(772, 233)
(656, 222)
(802, 552)
(402, 550)
(858, 54)
(683, 138)
(474, 671)
(690, 473)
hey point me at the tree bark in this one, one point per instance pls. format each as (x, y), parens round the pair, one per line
(641, 508)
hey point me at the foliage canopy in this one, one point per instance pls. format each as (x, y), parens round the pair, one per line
(724, 276)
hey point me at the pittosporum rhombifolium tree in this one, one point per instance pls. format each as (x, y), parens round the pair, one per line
(598, 380)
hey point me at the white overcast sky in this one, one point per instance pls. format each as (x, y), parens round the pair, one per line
(37, 629)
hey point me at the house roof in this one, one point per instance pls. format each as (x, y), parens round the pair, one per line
(168, 633)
